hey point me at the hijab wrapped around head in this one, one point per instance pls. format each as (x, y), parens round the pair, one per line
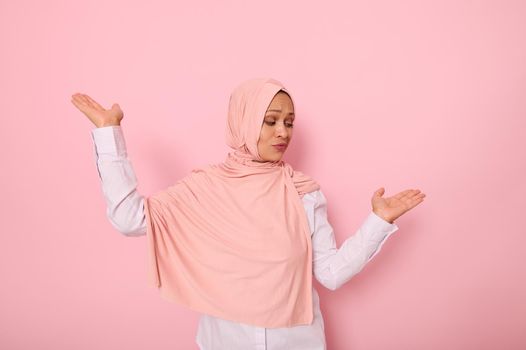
(232, 239)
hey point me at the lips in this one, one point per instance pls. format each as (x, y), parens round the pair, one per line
(280, 147)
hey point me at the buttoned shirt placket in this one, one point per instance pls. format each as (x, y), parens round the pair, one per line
(261, 338)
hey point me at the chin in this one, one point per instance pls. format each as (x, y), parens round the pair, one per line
(272, 159)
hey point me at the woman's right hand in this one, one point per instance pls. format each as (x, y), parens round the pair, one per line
(99, 116)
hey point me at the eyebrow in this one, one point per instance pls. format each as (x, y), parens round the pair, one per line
(278, 110)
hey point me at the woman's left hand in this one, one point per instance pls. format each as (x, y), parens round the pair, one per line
(391, 208)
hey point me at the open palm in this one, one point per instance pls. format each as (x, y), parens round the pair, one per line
(391, 208)
(97, 114)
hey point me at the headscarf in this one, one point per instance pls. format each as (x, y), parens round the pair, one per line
(232, 239)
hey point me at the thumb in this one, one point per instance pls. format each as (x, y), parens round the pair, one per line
(379, 192)
(115, 106)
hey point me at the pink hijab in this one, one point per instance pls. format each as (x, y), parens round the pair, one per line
(232, 239)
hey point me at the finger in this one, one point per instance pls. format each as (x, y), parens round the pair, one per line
(78, 99)
(418, 202)
(83, 100)
(379, 192)
(94, 103)
(401, 194)
(415, 202)
(82, 106)
(411, 204)
(410, 194)
(409, 199)
(89, 102)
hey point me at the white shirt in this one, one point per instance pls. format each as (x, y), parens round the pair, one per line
(332, 267)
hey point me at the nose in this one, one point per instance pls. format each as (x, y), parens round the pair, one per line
(280, 130)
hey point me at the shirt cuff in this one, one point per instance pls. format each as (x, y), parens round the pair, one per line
(109, 140)
(377, 228)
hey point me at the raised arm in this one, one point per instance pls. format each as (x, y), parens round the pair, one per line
(124, 204)
(332, 266)
(119, 184)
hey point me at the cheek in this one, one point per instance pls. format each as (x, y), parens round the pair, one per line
(264, 134)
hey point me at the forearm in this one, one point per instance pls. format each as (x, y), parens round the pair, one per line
(119, 183)
(332, 266)
(338, 266)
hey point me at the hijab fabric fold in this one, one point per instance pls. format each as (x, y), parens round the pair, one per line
(232, 239)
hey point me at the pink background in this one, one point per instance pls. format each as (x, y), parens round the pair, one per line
(405, 94)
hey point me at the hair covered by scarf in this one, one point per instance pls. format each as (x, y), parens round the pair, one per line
(232, 239)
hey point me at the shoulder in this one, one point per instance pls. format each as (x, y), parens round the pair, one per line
(316, 198)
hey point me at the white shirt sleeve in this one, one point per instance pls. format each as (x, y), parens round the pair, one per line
(125, 206)
(332, 266)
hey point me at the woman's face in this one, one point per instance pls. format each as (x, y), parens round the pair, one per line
(276, 128)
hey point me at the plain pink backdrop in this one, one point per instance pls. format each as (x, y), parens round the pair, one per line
(399, 94)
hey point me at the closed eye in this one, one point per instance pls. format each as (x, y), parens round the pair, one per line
(288, 125)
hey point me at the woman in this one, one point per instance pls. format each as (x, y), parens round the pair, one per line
(240, 240)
